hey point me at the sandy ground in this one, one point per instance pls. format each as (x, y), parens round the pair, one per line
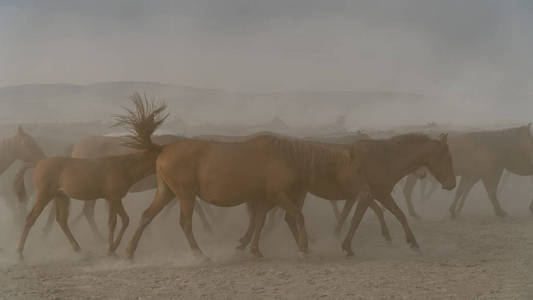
(478, 256)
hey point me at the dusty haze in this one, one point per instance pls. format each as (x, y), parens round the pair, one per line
(298, 67)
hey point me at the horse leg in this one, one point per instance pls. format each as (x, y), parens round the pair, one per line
(294, 213)
(410, 183)
(41, 200)
(432, 190)
(463, 185)
(490, 182)
(52, 212)
(379, 213)
(247, 237)
(335, 208)
(274, 215)
(344, 214)
(62, 211)
(391, 205)
(163, 197)
(169, 207)
(360, 210)
(88, 212)
(200, 211)
(187, 200)
(125, 219)
(259, 221)
(111, 223)
(462, 200)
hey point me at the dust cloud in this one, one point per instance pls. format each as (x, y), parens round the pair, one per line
(298, 67)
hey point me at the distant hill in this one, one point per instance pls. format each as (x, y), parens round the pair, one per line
(97, 102)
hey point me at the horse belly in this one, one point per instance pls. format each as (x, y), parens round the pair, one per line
(81, 184)
(230, 185)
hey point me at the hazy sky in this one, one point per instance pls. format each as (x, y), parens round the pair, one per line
(452, 47)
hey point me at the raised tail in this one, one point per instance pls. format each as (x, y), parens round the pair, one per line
(18, 183)
(142, 122)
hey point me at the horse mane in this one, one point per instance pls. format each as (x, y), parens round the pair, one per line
(307, 155)
(142, 122)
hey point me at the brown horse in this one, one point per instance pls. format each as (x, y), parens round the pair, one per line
(23, 147)
(100, 146)
(329, 183)
(266, 169)
(484, 155)
(385, 162)
(110, 177)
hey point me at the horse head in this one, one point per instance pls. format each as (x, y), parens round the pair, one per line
(440, 163)
(26, 147)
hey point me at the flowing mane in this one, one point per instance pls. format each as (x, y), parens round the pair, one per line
(307, 155)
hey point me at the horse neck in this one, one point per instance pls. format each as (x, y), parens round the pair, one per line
(407, 158)
(138, 165)
(7, 154)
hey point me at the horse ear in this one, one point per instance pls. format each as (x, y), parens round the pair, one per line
(444, 138)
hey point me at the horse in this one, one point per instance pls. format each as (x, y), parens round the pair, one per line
(110, 177)
(329, 184)
(483, 155)
(23, 147)
(385, 162)
(266, 169)
(100, 146)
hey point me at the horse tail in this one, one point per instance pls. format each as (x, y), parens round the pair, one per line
(18, 183)
(142, 122)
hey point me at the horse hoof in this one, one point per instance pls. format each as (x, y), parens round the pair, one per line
(202, 259)
(501, 214)
(303, 255)
(416, 250)
(387, 238)
(112, 254)
(256, 253)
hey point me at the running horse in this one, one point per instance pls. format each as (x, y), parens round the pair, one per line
(265, 169)
(110, 177)
(483, 155)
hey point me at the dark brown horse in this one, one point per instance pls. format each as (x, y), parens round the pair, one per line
(110, 177)
(484, 155)
(266, 169)
(385, 162)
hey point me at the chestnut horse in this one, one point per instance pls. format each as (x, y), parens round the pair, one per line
(385, 162)
(266, 169)
(484, 155)
(109, 177)
(99, 146)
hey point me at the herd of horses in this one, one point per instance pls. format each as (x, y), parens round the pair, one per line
(265, 171)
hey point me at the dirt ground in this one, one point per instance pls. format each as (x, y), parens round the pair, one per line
(478, 256)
